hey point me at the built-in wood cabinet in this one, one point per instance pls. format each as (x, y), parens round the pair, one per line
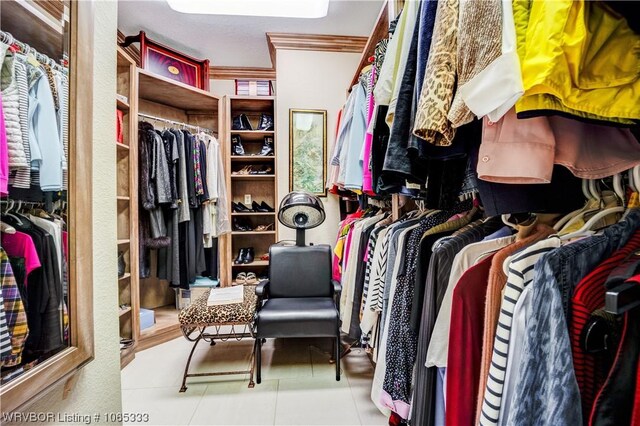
(127, 203)
(183, 105)
(63, 30)
(260, 187)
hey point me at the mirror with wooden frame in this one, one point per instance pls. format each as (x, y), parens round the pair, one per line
(46, 320)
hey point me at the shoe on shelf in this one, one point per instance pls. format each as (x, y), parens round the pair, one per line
(263, 228)
(267, 207)
(121, 265)
(259, 208)
(266, 122)
(264, 170)
(251, 279)
(236, 145)
(240, 208)
(241, 122)
(267, 147)
(241, 278)
(264, 257)
(241, 255)
(239, 224)
(246, 170)
(249, 255)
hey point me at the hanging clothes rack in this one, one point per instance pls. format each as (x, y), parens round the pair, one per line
(176, 123)
(8, 39)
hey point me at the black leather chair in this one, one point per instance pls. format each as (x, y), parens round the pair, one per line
(299, 300)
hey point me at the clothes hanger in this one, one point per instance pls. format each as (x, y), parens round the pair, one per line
(586, 231)
(8, 212)
(569, 216)
(6, 228)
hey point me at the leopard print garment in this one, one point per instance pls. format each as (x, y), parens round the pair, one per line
(479, 44)
(199, 314)
(431, 122)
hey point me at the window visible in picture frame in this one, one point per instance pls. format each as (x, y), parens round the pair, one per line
(308, 151)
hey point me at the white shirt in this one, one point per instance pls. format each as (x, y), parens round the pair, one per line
(495, 90)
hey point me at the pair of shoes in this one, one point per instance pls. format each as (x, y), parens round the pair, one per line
(241, 224)
(240, 208)
(263, 228)
(241, 122)
(245, 256)
(262, 207)
(253, 170)
(236, 145)
(248, 278)
(267, 147)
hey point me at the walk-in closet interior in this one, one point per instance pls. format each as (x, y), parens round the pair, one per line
(320, 212)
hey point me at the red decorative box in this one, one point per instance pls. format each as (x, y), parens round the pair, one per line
(170, 63)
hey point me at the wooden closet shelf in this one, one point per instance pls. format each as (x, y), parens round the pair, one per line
(122, 146)
(252, 158)
(124, 277)
(122, 105)
(167, 327)
(253, 232)
(123, 241)
(256, 177)
(123, 198)
(254, 214)
(254, 263)
(155, 88)
(251, 104)
(125, 311)
(253, 132)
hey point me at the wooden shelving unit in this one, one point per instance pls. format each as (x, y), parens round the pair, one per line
(259, 187)
(127, 204)
(164, 98)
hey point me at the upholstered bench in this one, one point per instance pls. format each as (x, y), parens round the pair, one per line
(210, 323)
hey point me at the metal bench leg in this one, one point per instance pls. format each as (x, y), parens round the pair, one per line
(252, 363)
(337, 352)
(186, 369)
(258, 360)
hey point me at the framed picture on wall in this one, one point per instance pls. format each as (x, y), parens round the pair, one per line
(308, 151)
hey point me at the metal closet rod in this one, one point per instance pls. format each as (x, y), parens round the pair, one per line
(177, 123)
(26, 49)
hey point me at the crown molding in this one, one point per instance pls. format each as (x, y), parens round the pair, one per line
(233, 73)
(316, 42)
(131, 50)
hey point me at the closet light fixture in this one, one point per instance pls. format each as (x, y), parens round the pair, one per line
(268, 8)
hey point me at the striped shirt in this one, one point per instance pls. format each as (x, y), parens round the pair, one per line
(22, 178)
(521, 272)
(15, 314)
(5, 337)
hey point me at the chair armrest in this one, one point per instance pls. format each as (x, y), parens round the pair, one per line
(337, 287)
(262, 289)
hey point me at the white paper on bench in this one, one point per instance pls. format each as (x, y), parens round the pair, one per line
(226, 296)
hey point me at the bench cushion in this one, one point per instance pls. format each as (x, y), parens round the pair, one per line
(199, 314)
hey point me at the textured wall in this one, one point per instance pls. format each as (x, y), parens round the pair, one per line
(311, 80)
(98, 387)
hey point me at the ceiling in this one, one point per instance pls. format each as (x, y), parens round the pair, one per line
(238, 41)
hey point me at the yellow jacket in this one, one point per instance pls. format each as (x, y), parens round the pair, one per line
(579, 58)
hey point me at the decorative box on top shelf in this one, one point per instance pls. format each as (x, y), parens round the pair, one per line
(169, 63)
(254, 88)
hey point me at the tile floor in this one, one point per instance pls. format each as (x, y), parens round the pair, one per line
(298, 385)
